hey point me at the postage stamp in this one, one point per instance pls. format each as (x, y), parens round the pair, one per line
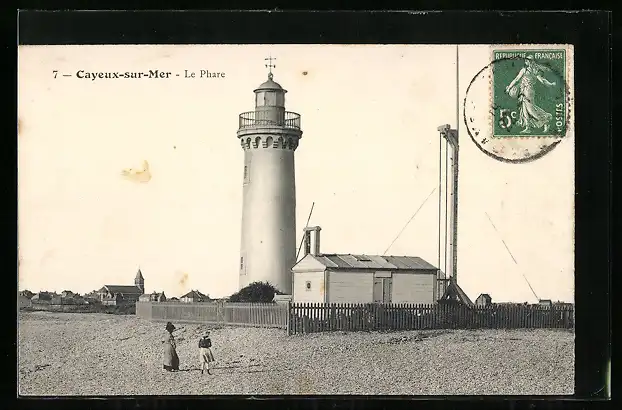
(529, 93)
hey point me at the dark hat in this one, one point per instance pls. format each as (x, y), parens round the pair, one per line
(170, 327)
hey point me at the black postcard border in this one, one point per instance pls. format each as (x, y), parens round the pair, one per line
(590, 32)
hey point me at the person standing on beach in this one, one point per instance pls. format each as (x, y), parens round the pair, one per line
(205, 352)
(171, 360)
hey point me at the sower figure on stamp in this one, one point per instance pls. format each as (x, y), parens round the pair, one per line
(530, 115)
(205, 352)
(171, 360)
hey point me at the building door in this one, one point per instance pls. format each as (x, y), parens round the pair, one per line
(378, 290)
(387, 288)
(383, 287)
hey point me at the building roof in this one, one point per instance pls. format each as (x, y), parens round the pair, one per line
(270, 85)
(42, 296)
(126, 289)
(484, 295)
(139, 275)
(195, 294)
(376, 262)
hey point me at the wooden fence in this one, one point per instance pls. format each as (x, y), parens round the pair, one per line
(309, 317)
(216, 313)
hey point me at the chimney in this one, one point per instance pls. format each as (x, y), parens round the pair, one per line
(315, 249)
(307, 241)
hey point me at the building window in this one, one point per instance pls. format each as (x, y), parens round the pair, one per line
(242, 263)
(247, 172)
(308, 285)
(259, 101)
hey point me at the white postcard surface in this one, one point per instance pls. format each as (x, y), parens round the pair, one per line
(171, 177)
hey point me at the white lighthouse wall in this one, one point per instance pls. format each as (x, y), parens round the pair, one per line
(269, 218)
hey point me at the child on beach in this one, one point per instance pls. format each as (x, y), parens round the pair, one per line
(205, 352)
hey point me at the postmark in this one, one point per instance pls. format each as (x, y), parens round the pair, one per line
(528, 103)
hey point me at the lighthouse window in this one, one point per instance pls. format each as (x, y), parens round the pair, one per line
(242, 263)
(270, 99)
(247, 172)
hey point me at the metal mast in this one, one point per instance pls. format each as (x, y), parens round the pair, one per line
(450, 224)
(450, 230)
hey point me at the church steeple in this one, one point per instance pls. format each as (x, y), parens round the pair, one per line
(139, 281)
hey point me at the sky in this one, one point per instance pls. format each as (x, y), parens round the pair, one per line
(368, 158)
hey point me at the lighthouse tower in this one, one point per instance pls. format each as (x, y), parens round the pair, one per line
(269, 136)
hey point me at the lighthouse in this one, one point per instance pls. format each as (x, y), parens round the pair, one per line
(269, 136)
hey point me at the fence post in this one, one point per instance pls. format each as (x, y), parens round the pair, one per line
(289, 316)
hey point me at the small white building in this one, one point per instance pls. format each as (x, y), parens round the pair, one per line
(345, 278)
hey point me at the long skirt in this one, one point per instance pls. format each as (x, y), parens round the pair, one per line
(171, 360)
(206, 355)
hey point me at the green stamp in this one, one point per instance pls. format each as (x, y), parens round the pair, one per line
(529, 93)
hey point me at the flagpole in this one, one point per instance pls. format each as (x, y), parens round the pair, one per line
(457, 88)
(454, 239)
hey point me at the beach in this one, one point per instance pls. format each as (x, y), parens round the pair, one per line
(79, 354)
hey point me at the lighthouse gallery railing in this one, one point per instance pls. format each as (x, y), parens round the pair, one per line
(285, 119)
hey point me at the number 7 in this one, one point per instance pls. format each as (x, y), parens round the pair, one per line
(55, 73)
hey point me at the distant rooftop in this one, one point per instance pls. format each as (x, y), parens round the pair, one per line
(195, 294)
(125, 289)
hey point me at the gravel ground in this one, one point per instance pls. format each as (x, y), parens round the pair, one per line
(63, 354)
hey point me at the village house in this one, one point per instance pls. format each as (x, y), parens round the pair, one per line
(43, 297)
(194, 296)
(23, 301)
(346, 278)
(153, 297)
(26, 293)
(92, 297)
(483, 300)
(122, 294)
